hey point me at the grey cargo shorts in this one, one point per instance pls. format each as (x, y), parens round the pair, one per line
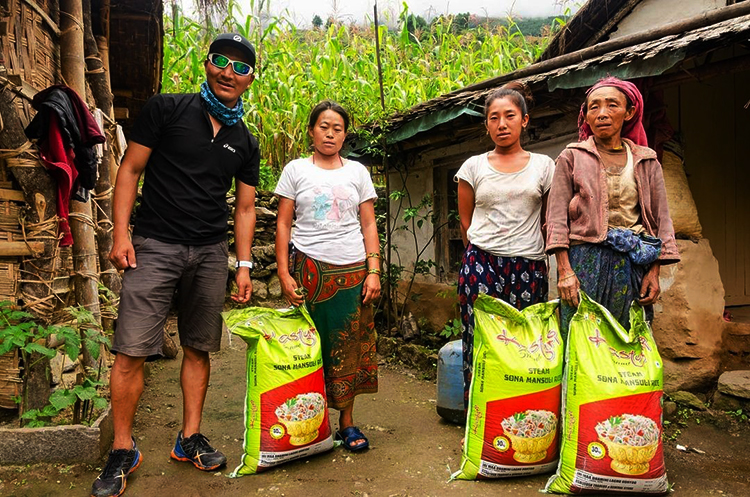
(198, 272)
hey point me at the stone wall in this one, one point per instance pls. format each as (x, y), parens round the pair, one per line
(265, 280)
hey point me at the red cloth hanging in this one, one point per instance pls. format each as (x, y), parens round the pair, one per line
(60, 162)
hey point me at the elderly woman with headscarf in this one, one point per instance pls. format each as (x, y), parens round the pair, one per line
(608, 222)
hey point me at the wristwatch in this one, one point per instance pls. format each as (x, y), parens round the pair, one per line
(247, 264)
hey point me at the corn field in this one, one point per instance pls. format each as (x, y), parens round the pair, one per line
(297, 68)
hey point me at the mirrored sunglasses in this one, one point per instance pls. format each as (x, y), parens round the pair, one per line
(222, 61)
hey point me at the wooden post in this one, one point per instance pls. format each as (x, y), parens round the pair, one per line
(103, 45)
(82, 226)
(99, 82)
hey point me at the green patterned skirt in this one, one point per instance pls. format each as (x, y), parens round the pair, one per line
(346, 327)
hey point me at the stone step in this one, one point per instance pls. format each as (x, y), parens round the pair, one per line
(735, 383)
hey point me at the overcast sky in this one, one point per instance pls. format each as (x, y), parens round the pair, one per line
(302, 11)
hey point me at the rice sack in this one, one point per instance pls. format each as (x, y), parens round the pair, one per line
(514, 397)
(612, 394)
(286, 413)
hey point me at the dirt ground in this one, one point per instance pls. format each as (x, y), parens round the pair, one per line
(413, 450)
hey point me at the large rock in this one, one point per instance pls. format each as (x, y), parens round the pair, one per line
(688, 399)
(723, 402)
(434, 302)
(387, 346)
(736, 383)
(688, 325)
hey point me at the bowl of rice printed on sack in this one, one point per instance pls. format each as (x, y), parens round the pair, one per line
(531, 433)
(302, 416)
(631, 442)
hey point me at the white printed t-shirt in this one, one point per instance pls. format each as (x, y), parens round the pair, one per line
(326, 205)
(507, 206)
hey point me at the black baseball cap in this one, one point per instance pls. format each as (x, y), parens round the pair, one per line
(237, 41)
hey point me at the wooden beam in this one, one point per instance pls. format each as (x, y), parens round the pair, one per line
(127, 16)
(15, 249)
(701, 73)
(18, 86)
(122, 92)
(50, 23)
(15, 195)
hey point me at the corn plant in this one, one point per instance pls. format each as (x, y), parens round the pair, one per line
(297, 68)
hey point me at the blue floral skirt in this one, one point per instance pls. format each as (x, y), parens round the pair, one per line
(518, 281)
(607, 276)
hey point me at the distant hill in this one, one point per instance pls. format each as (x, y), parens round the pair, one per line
(530, 26)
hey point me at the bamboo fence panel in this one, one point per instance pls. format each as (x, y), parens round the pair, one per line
(10, 380)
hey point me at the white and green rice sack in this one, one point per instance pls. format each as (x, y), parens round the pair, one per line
(612, 411)
(286, 412)
(514, 397)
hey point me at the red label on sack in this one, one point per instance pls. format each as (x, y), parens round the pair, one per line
(621, 437)
(522, 430)
(294, 415)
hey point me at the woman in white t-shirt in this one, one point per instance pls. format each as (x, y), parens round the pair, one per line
(334, 256)
(501, 202)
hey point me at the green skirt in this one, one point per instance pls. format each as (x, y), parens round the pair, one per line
(346, 327)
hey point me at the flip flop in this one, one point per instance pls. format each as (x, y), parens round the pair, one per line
(349, 435)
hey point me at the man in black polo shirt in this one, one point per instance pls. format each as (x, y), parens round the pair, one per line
(191, 148)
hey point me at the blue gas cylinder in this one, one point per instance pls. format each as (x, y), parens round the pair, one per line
(450, 383)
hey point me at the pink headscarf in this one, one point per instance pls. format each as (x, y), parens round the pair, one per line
(632, 129)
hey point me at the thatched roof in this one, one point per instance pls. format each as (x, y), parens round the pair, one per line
(590, 25)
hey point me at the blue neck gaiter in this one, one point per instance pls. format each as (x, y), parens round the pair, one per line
(218, 110)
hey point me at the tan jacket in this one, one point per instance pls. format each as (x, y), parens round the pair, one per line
(578, 209)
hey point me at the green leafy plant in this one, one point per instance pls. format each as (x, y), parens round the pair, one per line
(683, 415)
(672, 436)
(19, 330)
(739, 414)
(452, 329)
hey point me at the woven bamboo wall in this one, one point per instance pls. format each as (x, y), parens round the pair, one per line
(10, 380)
(29, 46)
(10, 231)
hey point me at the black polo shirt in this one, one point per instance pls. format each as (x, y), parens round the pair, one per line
(190, 171)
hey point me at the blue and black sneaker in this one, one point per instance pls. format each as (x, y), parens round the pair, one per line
(197, 450)
(113, 478)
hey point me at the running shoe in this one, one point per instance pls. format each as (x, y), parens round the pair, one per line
(197, 450)
(113, 478)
